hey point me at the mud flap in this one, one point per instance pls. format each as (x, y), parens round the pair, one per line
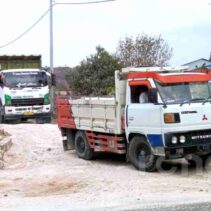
(68, 144)
(65, 145)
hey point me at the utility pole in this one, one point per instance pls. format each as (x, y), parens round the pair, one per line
(51, 5)
(51, 54)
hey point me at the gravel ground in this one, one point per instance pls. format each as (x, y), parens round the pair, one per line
(39, 175)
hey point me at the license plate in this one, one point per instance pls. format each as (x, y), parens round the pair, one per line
(28, 113)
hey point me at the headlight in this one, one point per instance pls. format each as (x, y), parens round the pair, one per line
(182, 139)
(171, 118)
(174, 140)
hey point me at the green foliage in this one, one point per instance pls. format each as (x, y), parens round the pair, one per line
(144, 51)
(95, 75)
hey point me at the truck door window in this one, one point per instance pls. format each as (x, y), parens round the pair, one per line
(139, 94)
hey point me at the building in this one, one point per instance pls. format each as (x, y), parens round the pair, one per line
(198, 64)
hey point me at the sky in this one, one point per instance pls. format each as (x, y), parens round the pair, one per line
(184, 24)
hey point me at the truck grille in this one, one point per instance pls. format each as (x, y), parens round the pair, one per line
(27, 102)
(192, 138)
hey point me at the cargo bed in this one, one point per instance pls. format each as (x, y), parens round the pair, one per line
(99, 114)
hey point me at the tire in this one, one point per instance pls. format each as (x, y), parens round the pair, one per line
(82, 147)
(43, 120)
(39, 121)
(207, 162)
(198, 161)
(1, 119)
(48, 120)
(140, 154)
(13, 121)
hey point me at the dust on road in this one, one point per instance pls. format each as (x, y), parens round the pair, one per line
(38, 174)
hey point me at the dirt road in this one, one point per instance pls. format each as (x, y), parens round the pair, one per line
(39, 175)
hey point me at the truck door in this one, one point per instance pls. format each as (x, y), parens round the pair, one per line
(142, 116)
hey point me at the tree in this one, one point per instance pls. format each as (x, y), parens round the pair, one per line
(95, 75)
(61, 82)
(144, 51)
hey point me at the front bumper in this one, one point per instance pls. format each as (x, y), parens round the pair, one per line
(26, 112)
(196, 142)
(20, 116)
(171, 153)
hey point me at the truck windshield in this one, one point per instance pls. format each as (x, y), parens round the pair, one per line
(25, 79)
(184, 92)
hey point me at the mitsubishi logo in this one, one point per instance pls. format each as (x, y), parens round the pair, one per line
(204, 118)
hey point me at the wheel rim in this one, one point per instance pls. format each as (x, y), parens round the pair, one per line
(143, 154)
(80, 145)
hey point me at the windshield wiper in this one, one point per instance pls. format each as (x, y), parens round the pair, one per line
(207, 100)
(197, 99)
(193, 100)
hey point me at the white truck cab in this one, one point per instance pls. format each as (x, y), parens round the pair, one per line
(174, 122)
(24, 94)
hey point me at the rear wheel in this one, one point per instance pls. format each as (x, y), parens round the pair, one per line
(140, 154)
(82, 147)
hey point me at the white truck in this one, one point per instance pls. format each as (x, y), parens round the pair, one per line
(175, 122)
(24, 94)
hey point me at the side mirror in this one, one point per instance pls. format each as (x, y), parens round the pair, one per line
(153, 95)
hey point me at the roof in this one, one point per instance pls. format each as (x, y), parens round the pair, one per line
(170, 77)
(20, 56)
(202, 59)
(21, 70)
(155, 69)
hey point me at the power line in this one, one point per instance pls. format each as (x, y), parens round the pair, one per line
(44, 14)
(88, 2)
(25, 32)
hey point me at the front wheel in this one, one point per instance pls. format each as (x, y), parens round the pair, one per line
(199, 160)
(82, 147)
(43, 120)
(140, 154)
(1, 118)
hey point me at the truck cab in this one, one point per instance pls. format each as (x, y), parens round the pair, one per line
(24, 94)
(175, 122)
